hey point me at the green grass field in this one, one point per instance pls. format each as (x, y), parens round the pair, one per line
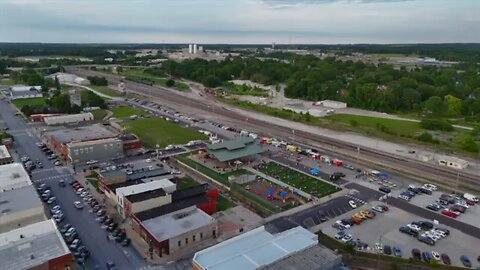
(99, 114)
(153, 131)
(297, 179)
(224, 203)
(126, 111)
(29, 101)
(139, 74)
(367, 123)
(106, 91)
(7, 82)
(186, 182)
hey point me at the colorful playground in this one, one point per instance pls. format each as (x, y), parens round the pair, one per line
(273, 194)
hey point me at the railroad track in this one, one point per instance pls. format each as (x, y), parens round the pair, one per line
(417, 169)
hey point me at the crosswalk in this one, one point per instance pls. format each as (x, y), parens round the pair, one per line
(355, 199)
(51, 178)
(44, 170)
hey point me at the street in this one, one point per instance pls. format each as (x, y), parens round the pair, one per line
(93, 237)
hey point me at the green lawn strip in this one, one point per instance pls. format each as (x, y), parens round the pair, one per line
(224, 203)
(260, 204)
(93, 182)
(186, 182)
(29, 101)
(153, 131)
(126, 111)
(106, 90)
(7, 82)
(298, 180)
(99, 114)
(138, 74)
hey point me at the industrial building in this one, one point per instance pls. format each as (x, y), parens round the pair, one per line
(31, 93)
(296, 248)
(61, 137)
(38, 246)
(103, 149)
(13, 176)
(5, 157)
(130, 141)
(20, 207)
(68, 118)
(179, 229)
(141, 197)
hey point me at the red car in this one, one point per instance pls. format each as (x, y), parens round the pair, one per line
(446, 259)
(469, 202)
(449, 213)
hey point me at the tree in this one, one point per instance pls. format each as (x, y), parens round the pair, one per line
(170, 83)
(468, 143)
(57, 83)
(119, 69)
(435, 106)
(454, 105)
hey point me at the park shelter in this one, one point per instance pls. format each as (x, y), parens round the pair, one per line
(241, 148)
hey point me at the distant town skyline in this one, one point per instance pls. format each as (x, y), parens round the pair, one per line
(240, 21)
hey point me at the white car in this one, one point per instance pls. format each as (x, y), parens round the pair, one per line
(341, 223)
(379, 247)
(430, 187)
(435, 255)
(414, 227)
(352, 204)
(346, 238)
(91, 162)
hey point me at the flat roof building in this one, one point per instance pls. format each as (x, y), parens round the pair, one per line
(35, 246)
(103, 149)
(20, 207)
(81, 134)
(5, 157)
(68, 118)
(254, 249)
(13, 176)
(234, 149)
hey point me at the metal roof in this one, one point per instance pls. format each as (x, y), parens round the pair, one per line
(13, 176)
(31, 245)
(254, 249)
(234, 149)
(177, 223)
(19, 199)
(86, 133)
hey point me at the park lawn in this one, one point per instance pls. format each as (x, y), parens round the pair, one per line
(106, 90)
(99, 114)
(224, 203)
(153, 131)
(126, 111)
(29, 101)
(186, 182)
(302, 181)
(140, 75)
(367, 123)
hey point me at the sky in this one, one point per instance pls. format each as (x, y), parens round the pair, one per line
(240, 21)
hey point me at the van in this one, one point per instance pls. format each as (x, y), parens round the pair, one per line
(292, 148)
(470, 197)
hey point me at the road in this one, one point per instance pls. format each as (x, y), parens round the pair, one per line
(93, 237)
(344, 144)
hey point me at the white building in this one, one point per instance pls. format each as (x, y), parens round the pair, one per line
(36, 246)
(5, 157)
(23, 88)
(13, 176)
(25, 91)
(332, 104)
(69, 118)
(164, 184)
(453, 162)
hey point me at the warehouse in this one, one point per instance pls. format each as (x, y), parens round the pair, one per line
(69, 118)
(103, 149)
(40, 244)
(14, 95)
(296, 248)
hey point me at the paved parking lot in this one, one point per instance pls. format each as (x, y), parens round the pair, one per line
(384, 229)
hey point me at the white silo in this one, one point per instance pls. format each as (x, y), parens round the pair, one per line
(194, 48)
(190, 48)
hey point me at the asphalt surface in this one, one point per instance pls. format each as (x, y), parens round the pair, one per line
(92, 236)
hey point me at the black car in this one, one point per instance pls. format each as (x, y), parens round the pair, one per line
(385, 189)
(387, 250)
(348, 221)
(425, 191)
(432, 207)
(65, 228)
(426, 240)
(126, 242)
(61, 183)
(414, 190)
(425, 225)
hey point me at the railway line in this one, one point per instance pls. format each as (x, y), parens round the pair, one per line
(206, 105)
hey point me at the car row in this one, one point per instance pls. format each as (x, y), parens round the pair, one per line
(430, 235)
(356, 219)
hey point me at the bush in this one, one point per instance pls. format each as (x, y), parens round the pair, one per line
(95, 80)
(435, 124)
(427, 137)
(468, 143)
(170, 83)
